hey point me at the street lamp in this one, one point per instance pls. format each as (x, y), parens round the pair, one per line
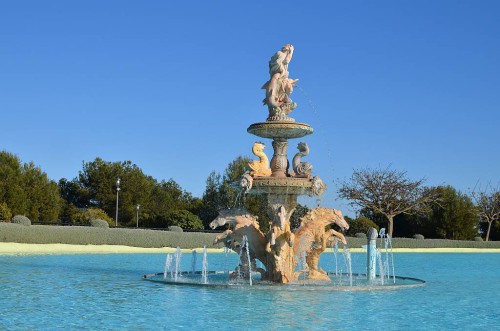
(117, 190)
(138, 206)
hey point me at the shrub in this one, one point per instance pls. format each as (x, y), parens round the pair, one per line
(184, 219)
(418, 236)
(84, 217)
(21, 219)
(478, 239)
(360, 235)
(175, 228)
(5, 213)
(99, 224)
(361, 225)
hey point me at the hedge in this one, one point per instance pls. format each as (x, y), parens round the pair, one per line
(81, 235)
(426, 243)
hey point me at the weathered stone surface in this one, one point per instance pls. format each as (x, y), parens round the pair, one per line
(260, 168)
(280, 86)
(284, 130)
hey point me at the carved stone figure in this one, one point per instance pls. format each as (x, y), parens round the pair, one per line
(260, 168)
(301, 169)
(280, 233)
(318, 187)
(245, 224)
(279, 244)
(279, 87)
(311, 238)
(246, 183)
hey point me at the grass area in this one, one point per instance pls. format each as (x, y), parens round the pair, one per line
(81, 235)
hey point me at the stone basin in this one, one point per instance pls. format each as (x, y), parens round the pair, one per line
(283, 130)
(279, 185)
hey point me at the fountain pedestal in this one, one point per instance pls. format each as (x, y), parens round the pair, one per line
(281, 190)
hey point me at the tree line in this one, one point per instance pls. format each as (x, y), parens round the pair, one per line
(382, 197)
(388, 198)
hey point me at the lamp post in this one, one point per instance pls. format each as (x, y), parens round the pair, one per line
(117, 191)
(137, 218)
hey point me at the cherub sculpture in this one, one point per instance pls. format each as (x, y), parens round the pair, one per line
(280, 86)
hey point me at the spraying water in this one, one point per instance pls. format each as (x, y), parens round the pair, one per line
(348, 262)
(303, 267)
(204, 266)
(226, 257)
(389, 256)
(238, 196)
(194, 257)
(178, 257)
(168, 265)
(389, 243)
(245, 257)
(335, 250)
(380, 266)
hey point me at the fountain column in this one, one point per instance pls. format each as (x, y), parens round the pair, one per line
(371, 263)
(281, 187)
(279, 162)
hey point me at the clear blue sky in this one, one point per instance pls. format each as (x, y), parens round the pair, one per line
(172, 86)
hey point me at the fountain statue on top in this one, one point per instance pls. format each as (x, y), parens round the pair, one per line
(280, 86)
(280, 249)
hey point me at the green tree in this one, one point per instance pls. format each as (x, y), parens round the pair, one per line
(12, 190)
(5, 213)
(210, 199)
(42, 194)
(98, 186)
(185, 219)
(95, 187)
(220, 193)
(27, 190)
(455, 216)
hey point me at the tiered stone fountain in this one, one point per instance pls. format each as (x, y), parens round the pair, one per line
(282, 186)
(287, 256)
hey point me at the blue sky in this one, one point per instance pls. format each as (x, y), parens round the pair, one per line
(172, 86)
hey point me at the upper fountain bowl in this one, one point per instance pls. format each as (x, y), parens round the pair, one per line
(283, 130)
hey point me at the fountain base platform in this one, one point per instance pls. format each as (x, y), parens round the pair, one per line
(338, 282)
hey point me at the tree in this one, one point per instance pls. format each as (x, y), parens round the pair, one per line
(12, 190)
(44, 201)
(221, 194)
(95, 187)
(488, 206)
(27, 190)
(454, 217)
(5, 213)
(388, 192)
(97, 183)
(184, 219)
(211, 199)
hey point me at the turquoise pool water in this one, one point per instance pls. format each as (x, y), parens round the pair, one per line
(105, 292)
